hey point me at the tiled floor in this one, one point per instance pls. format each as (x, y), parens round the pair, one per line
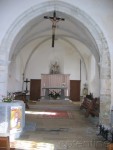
(74, 132)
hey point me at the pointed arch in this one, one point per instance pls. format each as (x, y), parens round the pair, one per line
(105, 63)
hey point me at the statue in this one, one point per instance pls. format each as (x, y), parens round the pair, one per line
(85, 90)
(54, 68)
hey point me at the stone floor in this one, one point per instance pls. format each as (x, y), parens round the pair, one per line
(74, 132)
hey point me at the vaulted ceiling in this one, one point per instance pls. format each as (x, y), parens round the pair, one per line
(71, 30)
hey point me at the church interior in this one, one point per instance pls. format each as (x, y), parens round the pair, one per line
(56, 75)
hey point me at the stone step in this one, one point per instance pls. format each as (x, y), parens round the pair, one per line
(53, 105)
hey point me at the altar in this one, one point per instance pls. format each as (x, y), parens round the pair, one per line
(54, 90)
(55, 84)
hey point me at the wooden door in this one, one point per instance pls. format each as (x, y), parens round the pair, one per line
(75, 90)
(35, 85)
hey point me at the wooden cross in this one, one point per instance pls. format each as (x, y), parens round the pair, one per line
(54, 20)
(26, 81)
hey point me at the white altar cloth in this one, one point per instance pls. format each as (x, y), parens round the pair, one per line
(12, 117)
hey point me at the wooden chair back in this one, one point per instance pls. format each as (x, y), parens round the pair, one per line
(5, 144)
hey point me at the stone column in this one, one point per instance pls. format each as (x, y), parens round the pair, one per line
(3, 75)
(105, 91)
(105, 103)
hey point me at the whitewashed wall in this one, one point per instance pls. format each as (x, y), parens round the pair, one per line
(39, 63)
(103, 16)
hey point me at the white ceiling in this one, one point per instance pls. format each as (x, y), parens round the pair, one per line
(70, 30)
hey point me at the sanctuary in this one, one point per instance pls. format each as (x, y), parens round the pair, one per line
(58, 83)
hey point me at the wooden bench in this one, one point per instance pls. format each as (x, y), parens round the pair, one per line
(5, 144)
(110, 146)
(91, 107)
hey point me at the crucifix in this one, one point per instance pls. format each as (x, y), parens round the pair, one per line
(54, 20)
(26, 81)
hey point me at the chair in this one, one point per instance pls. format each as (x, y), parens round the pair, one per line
(5, 144)
(110, 146)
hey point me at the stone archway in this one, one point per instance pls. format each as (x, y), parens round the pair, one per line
(105, 72)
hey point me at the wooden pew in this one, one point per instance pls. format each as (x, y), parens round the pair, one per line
(5, 144)
(110, 146)
(91, 107)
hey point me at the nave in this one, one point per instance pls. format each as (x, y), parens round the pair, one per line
(58, 125)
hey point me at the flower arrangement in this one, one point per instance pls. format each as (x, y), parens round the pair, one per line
(53, 94)
(8, 98)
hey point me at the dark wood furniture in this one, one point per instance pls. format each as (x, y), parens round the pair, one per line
(35, 89)
(110, 146)
(5, 144)
(75, 90)
(91, 107)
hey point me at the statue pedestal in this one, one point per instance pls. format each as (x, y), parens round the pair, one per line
(12, 118)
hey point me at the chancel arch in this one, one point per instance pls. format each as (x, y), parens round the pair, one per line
(8, 47)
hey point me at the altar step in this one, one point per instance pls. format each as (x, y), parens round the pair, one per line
(54, 105)
(66, 101)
